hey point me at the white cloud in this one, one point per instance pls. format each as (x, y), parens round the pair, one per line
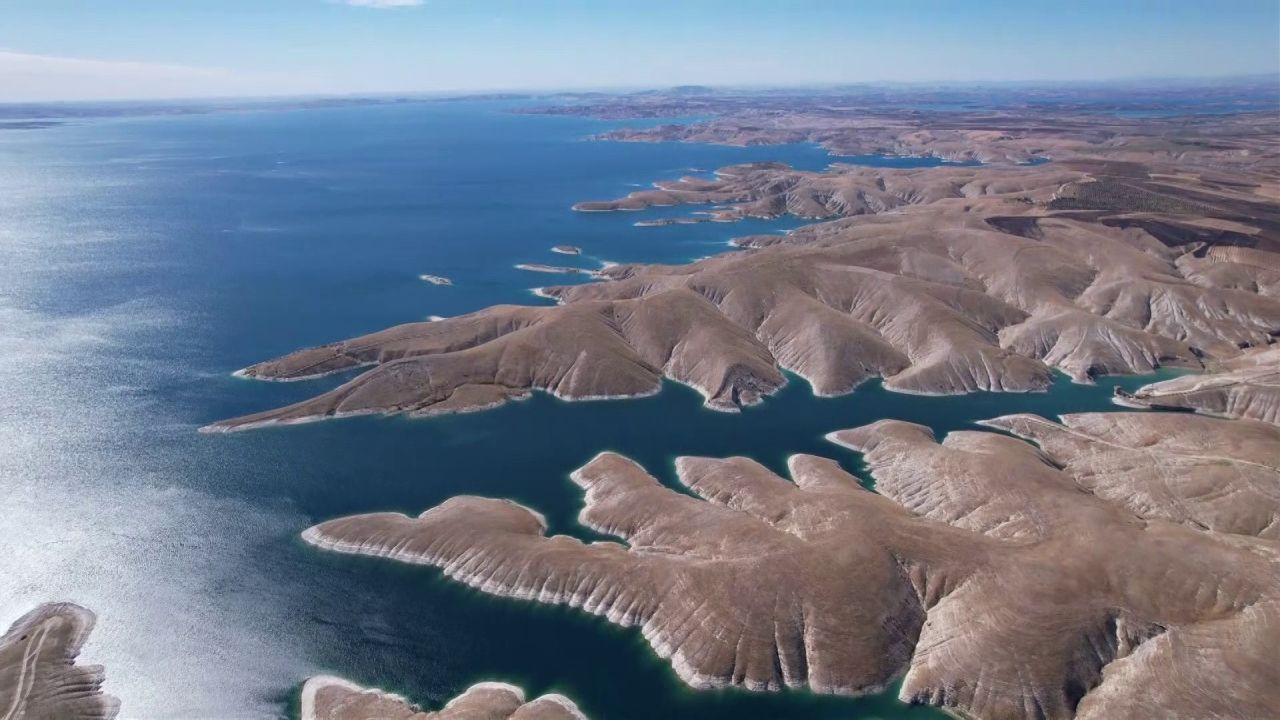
(31, 77)
(382, 4)
(19, 63)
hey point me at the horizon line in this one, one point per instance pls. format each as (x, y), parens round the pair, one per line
(624, 89)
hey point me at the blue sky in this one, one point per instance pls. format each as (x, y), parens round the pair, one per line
(87, 49)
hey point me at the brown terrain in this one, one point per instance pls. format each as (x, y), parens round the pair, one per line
(39, 679)
(1125, 568)
(994, 137)
(1104, 565)
(860, 123)
(1123, 255)
(1247, 386)
(331, 698)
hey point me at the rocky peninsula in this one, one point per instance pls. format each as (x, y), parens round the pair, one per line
(330, 698)
(1243, 387)
(1093, 576)
(938, 280)
(39, 678)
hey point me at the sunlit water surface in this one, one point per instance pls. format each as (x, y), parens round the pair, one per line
(141, 261)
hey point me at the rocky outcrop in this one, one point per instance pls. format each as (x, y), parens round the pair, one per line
(995, 578)
(330, 698)
(587, 350)
(1200, 472)
(940, 301)
(730, 599)
(1243, 387)
(39, 679)
(770, 190)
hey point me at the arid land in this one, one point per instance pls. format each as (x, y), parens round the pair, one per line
(39, 677)
(1098, 565)
(1141, 244)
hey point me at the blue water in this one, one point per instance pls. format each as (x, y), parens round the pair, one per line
(143, 260)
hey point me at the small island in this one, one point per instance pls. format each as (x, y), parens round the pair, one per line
(330, 698)
(567, 250)
(661, 222)
(556, 269)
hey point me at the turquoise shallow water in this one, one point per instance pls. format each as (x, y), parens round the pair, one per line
(143, 260)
